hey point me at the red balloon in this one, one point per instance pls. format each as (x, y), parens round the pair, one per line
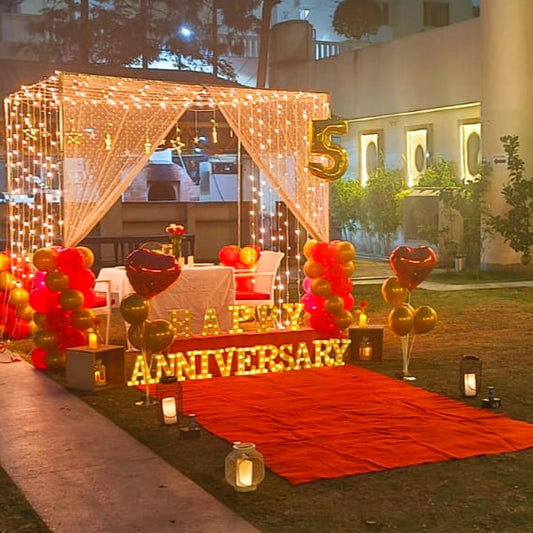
(150, 272)
(229, 255)
(306, 284)
(39, 279)
(44, 300)
(412, 265)
(348, 301)
(89, 298)
(321, 253)
(38, 358)
(19, 330)
(70, 261)
(82, 279)
(312, 303)
(244, 284)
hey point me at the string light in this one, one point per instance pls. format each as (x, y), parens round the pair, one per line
(95, 133)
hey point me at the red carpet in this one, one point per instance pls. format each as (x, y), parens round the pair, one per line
(332, 422)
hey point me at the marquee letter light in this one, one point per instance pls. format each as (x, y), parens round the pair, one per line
(322, 148)
(181, 321)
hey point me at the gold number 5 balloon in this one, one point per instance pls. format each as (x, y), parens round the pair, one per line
(322, 147)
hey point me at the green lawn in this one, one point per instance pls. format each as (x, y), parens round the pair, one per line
(489, 494)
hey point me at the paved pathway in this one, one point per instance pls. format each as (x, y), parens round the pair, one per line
(83, 474)
(372, 272)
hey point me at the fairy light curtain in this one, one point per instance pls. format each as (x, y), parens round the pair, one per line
(273, 128)
(90, 135)
(33, 139)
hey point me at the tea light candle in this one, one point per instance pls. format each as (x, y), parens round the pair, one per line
(470, 385)
(93, 341)
(170, 414)
(244, 473)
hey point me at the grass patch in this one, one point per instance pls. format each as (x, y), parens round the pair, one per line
(492, 493)
(470, 276)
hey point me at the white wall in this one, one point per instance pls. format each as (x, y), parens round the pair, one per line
(443, 68)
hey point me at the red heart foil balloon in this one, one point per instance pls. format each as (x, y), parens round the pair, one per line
(412, 265)
(151, 272)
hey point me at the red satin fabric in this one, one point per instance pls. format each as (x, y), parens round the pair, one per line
(332, 422)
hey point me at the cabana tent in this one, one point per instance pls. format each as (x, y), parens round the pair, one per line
(76, 141)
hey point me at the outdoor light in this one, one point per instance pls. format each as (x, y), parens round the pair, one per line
(245, 467)
(470, 376)
(99, 373)
(186, 32)
(170, 399)
(365, 349)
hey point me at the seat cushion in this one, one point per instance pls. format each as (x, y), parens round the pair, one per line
(100, 301)
(250, 295)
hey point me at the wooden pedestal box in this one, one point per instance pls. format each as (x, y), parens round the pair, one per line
(367, 344)
(81, 365)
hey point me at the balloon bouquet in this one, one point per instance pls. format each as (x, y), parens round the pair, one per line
(240, 259)
(328, 299)
(61, 296)
(16, 313)
(149, 273)
(411, 266)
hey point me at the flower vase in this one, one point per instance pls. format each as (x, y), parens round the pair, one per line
(176, 247)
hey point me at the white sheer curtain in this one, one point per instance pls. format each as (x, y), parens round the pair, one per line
(273, 128)
(111, 126)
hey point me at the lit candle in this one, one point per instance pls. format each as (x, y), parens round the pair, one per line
(470, 385)
(190, 260)
(93, 341)
(365, 351)
(244, 473)
(363, 322)
(168, 407)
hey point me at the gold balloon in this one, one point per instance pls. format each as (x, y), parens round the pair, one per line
(55, 360)
(348, 268)
(18, 297)
(425, 319)
(5, 262)
(46, 340)
(135, 334)
(334, 304)
(248, 256)
(83, 318)
(45, 259)
(308, 248)
(343, 320)
(393, 292)
(158, 335)
(40, 319)
(56, 280)
(88, 256)
(313, 269)
(336, 155)
(401, 319)
(7, 281)
(26, 312)
(345, 251)
(134, 309)
(320, 287)
(71, 299)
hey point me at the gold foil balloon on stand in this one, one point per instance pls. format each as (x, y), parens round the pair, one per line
(410, 266)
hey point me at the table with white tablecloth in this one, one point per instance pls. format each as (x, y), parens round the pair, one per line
(198, 288)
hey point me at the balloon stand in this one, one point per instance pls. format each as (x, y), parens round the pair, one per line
(407, 348)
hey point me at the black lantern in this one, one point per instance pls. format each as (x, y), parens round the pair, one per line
(170, 399)
(470, 376)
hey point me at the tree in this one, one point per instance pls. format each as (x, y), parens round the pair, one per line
(355, 18)
(126, 32)
(516, 226)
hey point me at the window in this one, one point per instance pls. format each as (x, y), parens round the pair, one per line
(370, 146)
(304, 14)
(417, 153)
(436, 14)
(470, 138)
